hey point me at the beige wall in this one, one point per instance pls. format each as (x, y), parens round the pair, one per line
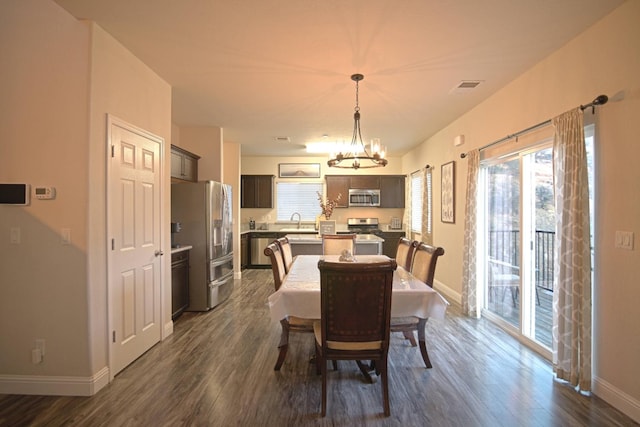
(604, 59)
(206, 142)
(124, 87)
(43, 133)
(231, 176)
(60, 78)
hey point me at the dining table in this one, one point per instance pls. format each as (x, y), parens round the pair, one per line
(299, 294)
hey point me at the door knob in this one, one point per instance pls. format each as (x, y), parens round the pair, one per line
(159, 253)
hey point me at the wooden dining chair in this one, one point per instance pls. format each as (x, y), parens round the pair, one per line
(423, 267)
(404, 252)
(290, 323)
(355, 301)
(285, 250)
(334, 244)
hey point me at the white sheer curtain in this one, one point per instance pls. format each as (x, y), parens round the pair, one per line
(572, 287)
(469, 283)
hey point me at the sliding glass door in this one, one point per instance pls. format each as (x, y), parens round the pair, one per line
(518, 228)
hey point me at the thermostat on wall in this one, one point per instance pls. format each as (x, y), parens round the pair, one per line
(44, 193)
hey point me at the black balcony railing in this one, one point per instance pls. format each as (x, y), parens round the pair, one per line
(504, 245)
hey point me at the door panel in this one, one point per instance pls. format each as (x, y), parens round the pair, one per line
(134, 225)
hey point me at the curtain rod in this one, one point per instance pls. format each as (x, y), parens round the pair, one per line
(418, 170)
(600, 100)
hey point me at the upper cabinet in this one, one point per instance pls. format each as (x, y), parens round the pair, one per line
(256, 191)
(391, 191)
(367, 182)
(391, 188)
(338, 184)
(184, 164)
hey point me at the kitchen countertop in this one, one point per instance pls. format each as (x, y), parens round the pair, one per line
(180, 249)
(316, 238)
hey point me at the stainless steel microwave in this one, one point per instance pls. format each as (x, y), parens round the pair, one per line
(358, 197)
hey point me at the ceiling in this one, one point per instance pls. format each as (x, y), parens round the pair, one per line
(264, 70)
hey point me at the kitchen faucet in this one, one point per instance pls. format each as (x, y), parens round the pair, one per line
(299, 218)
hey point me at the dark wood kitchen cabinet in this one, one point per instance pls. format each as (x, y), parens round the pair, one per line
(184, 164)
(244, 251)
(338, 184)
(392, 191)
(391, 188)
(179, 283)
(390, 243)
(367, 182)
(256, 191)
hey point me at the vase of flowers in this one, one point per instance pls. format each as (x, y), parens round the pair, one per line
(328, 205)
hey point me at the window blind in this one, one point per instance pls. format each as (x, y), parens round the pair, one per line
(301, 197)
(416, 202)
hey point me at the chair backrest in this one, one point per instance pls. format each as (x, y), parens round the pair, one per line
(423, 266)
(285, 249)
(277, 263)
(334, 244)
(355, 300)
(404, 252)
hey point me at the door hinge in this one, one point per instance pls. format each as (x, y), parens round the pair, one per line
(113, 244)
(114, 336)
(113, 151)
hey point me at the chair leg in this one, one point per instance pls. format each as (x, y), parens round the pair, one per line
(323, 369)
(284, 344)
(422, 323)
(385, 387)
(281, 355)
(409, 336)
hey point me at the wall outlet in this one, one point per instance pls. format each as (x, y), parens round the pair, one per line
(15, 236)
(36, 356)
(37, 353)
(39, 344)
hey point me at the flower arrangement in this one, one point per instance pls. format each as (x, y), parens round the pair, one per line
(328, 205)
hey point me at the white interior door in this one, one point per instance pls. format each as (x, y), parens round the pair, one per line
(134, 229)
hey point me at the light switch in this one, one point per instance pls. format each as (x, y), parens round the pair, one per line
(66, 236)
(624, 240)
(15, 235)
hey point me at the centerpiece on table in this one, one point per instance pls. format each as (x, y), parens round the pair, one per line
(328, 205)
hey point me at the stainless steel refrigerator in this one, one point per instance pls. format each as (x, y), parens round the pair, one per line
(204, 210)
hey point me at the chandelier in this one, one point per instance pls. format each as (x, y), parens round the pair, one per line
(355, 155)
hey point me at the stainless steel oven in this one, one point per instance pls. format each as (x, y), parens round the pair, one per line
(362, 197)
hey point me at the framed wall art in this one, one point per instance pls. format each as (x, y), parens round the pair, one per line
(448, 199)
(299, 170)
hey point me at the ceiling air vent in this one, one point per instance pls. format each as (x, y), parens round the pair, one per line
(283, 139)
(465, 85)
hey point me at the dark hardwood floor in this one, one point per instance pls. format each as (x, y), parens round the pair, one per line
(217, 370)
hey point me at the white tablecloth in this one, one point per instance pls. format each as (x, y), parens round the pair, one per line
(299, 294)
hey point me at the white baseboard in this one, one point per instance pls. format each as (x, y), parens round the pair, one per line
(447, 292)
(54, 386)
(617, 398)
(167, 330)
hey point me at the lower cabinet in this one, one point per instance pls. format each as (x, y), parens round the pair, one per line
(244, 251)
(179, 283)
(390, 242)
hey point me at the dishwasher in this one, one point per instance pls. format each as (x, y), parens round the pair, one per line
(258, 243)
